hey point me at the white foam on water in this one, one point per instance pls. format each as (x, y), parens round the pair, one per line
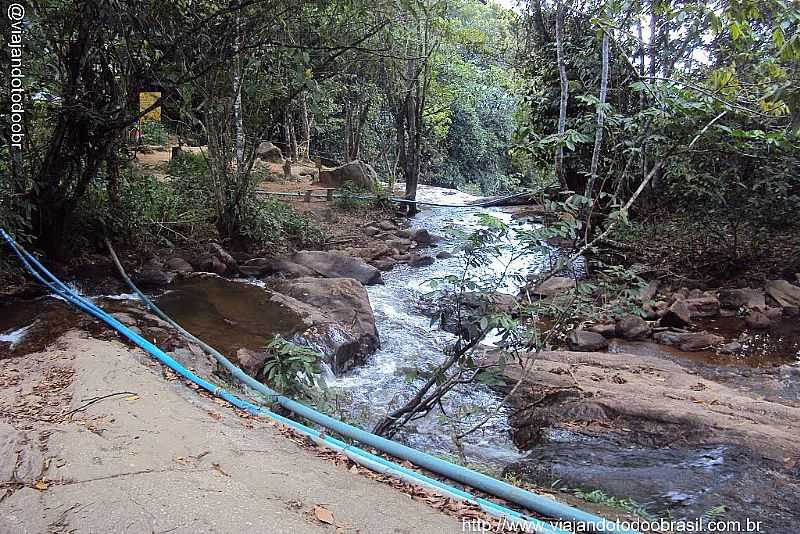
(15, 336)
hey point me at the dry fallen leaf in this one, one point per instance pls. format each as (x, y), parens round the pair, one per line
(323, 514)
(132, 397)
(41, 485)
(219, 469)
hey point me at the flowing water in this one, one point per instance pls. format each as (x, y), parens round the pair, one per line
(680, 481)
(409, 342)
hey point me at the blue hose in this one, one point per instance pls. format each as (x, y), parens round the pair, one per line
(527, 499)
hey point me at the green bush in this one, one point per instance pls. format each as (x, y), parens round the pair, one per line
(293, 370)
(153, 133)
(349, 197)
(267, 222)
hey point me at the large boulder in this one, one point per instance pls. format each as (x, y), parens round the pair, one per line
(757, 320)
(607, 330)
(555, 285)
(423, 238)
(256, 267)
(420, 260)
(289, 269)
(215, 259)
(703, 306)
(783, 292)
(357, 172)
(733, 299)
(343, 301)
(178, 265)
(339, 346)
(266, 151)
(649, 291)
(332, 265)
(688, 341)
(251, 361)
(678, 314)
(586, 341)
(152, 276)
(632, 327)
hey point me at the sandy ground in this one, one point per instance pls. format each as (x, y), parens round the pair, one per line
(158, 457)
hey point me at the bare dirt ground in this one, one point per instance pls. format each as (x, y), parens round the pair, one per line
(157, 457)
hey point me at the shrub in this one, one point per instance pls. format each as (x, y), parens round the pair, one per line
(153, 133)
(293, 370)
(349, 197)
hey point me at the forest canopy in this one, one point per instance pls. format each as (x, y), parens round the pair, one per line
(688, 107)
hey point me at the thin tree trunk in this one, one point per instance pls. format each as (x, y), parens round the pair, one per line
(306, 127)
(598, 135)
(562, 108)
(238, 122)
(642, 101)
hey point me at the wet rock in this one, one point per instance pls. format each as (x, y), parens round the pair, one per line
(650, 313)
(607, 330)
(489, 302)
(387, 226)
(688, 341)
(734, 299)
(357, 172)
(422, 237)
(632, 327)
(290, 269)
(791, 311)
(266, 151)
(252, 361)
(757, 320)
(125, 318)
(215, 260)
(370, 252)
(341, 300)
(210, 264)
(586, 341)
(649, 291)
(444, 255)
(331, 265)
(256, 267)
(152, 278)
(399, 243)
(682, 293)
(178, 265)
(552, 286)
(385, 264)
(678, 314)
(702, 306)
(371, 231)
(404, 233)
(783, 292)
(734, 347)
(417, 260)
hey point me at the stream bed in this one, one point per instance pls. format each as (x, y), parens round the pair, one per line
(673, 481)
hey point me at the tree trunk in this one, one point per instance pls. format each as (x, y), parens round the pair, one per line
(305, 145)
(562, 108)
(598, 135)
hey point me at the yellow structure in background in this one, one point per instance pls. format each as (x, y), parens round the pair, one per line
(146, 99)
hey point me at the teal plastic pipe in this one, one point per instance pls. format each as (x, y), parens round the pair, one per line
(498, 488)
(358, 455)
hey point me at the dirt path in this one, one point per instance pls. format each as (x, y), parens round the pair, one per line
(158, 457)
